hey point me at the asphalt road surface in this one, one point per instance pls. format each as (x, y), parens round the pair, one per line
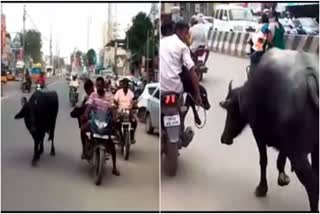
(64, 182)
(216, 177)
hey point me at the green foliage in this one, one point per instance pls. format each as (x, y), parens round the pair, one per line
(33, 44)
(137, 34)
(85, 59)
(92, 57)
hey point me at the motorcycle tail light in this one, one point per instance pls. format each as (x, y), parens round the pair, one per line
(170, 99)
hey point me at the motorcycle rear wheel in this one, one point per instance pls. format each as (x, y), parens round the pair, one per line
(172, 159)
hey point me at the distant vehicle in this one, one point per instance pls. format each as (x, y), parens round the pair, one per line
(152, 112)
(288, 27)
(307, 24)
(234, 18)
(49, 70)
(147, 93)
(107, 72)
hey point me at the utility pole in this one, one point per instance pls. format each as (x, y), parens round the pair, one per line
(128, 56)
(50, 47)
(147, 58)
(115, 57)
(24, 33)
(88, 32)
(109, 22)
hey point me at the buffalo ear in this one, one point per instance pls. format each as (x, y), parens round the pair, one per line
(227, 102)
(21, 113)
(23, 101)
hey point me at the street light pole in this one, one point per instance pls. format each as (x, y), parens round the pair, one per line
(24, 33)
(147, 58)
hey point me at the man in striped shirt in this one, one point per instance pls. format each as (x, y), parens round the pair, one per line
(100, 100)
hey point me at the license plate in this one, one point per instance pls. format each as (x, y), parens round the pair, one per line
(170, 121)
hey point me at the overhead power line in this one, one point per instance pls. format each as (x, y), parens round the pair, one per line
(36, 26)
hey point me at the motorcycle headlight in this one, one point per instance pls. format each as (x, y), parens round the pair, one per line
(100, 124)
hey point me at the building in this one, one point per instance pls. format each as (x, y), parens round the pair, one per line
(187, 10)
(3, 32)
(116, 54)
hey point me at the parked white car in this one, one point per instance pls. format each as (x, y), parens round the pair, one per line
(234, 18)
(153, 112)
(149, 90)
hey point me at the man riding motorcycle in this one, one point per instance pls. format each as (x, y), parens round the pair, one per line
(198, 36)
(124, 100)
(74, 83)
(27, 78)
(79, 110)
(41, 80)
(100, 100)
(174, 54)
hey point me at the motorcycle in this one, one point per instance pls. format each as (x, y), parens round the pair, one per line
(73, 96)
(26, 86)
(125, 134)
(173, 135)
(200, 67)
(96, 149)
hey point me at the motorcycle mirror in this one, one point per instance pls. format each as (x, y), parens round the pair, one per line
(23, 101)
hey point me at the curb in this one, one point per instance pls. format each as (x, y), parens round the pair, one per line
(235, 43)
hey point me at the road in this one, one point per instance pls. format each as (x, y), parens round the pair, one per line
(217, 177)
(64, 182)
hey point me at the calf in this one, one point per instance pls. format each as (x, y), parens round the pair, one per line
(280, 103)
(40, 114)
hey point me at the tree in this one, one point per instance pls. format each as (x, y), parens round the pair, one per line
(92, 57)
(137, 35)
(33, 44)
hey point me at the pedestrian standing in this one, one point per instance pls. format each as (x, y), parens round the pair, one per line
(277, 31)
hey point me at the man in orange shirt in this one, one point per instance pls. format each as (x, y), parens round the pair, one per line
(124, 100)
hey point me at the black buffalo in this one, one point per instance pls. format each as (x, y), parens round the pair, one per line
(280, 102)
(40, 114)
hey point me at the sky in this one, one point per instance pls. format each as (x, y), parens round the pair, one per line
(69, 22)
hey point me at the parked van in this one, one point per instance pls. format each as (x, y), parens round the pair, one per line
(234, 18)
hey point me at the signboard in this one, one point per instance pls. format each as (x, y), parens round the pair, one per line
(3, 32)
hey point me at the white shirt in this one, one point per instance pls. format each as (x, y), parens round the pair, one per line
(173, 55)
(74, 83)
(198, 34)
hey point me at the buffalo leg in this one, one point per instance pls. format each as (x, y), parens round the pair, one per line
(36, 155)
(41, 148)
(53, 151)
(315, 160)
(262, 188)
(115, 171)
(283, 178)
(308, 179)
